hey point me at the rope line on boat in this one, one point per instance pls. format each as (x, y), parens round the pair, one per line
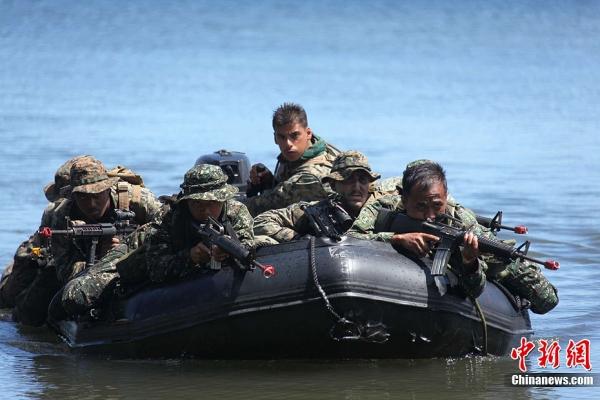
(483, 323)
(351, 330)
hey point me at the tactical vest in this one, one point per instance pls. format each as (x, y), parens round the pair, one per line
(127, 178)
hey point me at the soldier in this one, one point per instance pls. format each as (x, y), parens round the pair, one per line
(350, 178)
(174, 250)
(304, 159)
(425, 195)
(28, 260)
(93, 199)
(171, 249)
(521, 278)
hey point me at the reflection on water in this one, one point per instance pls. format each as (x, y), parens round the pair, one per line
(503, 94)
(69, 376)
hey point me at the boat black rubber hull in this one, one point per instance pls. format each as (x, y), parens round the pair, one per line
(389, 307)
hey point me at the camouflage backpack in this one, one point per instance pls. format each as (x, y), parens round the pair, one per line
(126, 178)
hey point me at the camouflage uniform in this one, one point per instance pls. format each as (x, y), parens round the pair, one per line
(520, 277)
(297, 180)
(168, 249)
(158, 251)
(472, 283)
(29, 257)
(67, 258)
(286, 224)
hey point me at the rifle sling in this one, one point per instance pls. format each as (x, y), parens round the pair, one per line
(123, 195)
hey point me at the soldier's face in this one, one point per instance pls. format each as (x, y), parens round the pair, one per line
(200, 210)
(354, 191)
(93, 205)
(293, 139)
(423, 204)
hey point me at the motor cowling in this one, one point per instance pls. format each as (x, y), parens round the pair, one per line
(235, 164)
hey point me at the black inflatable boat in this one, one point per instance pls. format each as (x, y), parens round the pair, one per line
(345, 299)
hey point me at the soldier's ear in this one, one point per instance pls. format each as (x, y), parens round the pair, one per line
(309, 133)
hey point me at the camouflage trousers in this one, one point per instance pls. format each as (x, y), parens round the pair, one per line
(525, 280)
(94, 287)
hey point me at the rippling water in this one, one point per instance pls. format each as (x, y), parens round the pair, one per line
(504, 94)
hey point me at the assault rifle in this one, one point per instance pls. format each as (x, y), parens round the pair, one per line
(120, 227)
(213, 233)
(495, 224)
(450, 238)
(327, 224)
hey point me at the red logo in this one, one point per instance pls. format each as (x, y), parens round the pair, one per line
(550, 354)
(522, 352)
(577, 353)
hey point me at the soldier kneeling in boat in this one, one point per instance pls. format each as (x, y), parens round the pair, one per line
(425, 197)
(304, 159)
(172, 249)
(93, 196)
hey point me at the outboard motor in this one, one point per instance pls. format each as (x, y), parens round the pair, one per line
(235, 165)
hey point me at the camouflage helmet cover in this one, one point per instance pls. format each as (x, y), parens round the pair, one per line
(206, 182)
(55, 190)
(88, 175)
(348, 162)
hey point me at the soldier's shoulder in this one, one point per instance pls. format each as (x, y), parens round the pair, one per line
(391, 185)
(235, 207)
(390, 201)
(305, 176)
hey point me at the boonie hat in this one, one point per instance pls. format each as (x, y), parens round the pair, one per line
(348, 162)
(88, 175)
(55, 190)
(206, 182)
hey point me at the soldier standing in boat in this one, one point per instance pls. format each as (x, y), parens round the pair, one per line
(94, 196)
(304, 159)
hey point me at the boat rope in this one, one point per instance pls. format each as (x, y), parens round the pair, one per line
(483, 323)
(352, 330)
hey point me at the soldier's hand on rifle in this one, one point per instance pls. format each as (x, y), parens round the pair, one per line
(218, 254)
(77, 222)
(416, 242)
(470, 250)
(106, 244)
(200, 254)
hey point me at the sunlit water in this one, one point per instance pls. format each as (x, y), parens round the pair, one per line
(504, 95)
